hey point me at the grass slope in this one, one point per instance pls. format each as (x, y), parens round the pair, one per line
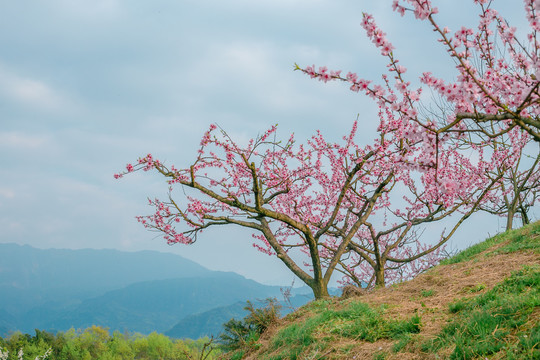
(482, 303)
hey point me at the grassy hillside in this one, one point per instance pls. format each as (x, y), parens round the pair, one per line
(482, 303)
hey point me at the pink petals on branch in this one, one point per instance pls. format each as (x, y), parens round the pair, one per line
(322, 74)
(377, 36)
(422, 8)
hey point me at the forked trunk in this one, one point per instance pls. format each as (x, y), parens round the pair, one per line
(320, 289)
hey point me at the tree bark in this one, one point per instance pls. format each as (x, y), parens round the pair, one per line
(320, 289)
(379, 276)
(510, 220)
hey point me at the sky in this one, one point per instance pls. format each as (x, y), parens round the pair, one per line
(89, 86)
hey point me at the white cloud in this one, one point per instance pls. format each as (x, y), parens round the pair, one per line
(22, 141)
(260, 74)
(7, 193)
(30, 92)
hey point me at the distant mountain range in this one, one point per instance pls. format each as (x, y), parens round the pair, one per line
(145, 291)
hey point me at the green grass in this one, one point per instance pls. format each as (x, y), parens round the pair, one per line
(522, 242)
(484, 324)
(357, 321)
(474, 288)
(498, 321)
(361, 322)
(401, 343)
(293, 339)
(525, 238)
(427, 293)
(237, 355)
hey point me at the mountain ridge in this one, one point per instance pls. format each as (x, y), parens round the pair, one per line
(57, 289)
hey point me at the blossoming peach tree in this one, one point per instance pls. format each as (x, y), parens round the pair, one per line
(324, 208)
(494, 104)
(319, 197)
(518, 189)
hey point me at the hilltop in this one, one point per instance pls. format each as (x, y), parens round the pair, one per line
(482, 303)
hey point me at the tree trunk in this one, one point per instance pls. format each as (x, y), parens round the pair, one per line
(510, 218)
(512, 209)
(379, 276)
(320, 289)
(524, 216)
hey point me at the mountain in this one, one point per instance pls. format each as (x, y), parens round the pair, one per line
(31, 277)
(7, 322)
(142, 292)
(153, 305)
(207, 323)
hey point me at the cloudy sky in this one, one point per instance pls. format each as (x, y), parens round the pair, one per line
(88, 86)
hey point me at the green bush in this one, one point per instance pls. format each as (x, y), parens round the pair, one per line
(241, 334)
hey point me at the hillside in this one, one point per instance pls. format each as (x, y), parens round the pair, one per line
(482, 303)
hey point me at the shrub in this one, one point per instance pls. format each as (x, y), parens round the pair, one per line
(244, 333)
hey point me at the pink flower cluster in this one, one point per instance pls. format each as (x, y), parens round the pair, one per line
(377, 36)
(422, 8)
(322, 74)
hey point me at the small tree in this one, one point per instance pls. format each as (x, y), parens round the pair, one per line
(518, 189)
(292, 196)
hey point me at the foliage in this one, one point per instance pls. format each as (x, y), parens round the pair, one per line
(4, 355)
(242, 334)
(97, 343)
(481, 325)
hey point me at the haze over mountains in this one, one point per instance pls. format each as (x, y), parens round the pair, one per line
(142, 292)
